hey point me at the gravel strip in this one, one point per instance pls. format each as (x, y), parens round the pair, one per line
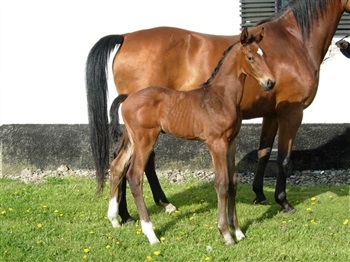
(307, 178)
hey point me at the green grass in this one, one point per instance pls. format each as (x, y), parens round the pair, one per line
(62, 220)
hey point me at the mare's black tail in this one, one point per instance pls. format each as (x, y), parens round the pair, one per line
(96, 90)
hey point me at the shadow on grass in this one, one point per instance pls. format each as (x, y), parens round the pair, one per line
(205, 195)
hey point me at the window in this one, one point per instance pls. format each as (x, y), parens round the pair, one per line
(253, 11)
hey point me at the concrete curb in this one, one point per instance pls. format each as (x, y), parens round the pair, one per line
(317, 147)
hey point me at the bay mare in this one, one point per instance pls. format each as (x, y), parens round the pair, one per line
(296, 41)
(210, 113)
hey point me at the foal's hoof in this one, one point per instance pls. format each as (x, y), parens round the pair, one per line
(260, 201)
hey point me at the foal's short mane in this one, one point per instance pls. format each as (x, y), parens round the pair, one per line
(305, 13)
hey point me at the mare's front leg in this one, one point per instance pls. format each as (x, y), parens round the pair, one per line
(232, 211)
(268, 133)
(289, 118)
(219, 150)
(158, 194)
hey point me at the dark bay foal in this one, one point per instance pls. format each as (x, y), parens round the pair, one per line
(210, 113)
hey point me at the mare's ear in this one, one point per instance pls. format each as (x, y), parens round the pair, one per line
(244, 36)
(260, 36)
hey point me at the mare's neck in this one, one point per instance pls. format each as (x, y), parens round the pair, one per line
(322, 30)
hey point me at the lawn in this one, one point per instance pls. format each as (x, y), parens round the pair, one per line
(62, 220)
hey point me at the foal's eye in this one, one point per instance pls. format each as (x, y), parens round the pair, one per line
(250, 58)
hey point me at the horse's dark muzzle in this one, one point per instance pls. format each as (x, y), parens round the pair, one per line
(270, 84)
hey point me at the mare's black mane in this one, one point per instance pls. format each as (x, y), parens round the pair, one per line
(305, 13)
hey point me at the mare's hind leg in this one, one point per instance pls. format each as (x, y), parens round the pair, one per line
(232, 212)
(158, 194)
(268, 133)
(123, 208)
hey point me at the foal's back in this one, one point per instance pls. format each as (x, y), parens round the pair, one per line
(182, 114)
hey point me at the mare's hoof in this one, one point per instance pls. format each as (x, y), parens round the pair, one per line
(129, 221)
(260, 201)
(169, 208)
(288, 209)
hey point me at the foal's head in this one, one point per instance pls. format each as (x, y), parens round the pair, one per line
(253, 60)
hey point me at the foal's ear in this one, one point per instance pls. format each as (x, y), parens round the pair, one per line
(244, 36)
(260, 36)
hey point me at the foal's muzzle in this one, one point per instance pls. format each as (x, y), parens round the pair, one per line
(268, 85)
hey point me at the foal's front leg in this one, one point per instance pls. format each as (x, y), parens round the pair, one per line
(218, 152)
(232, 212)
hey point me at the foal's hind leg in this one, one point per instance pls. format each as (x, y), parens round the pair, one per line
(143, 147)
(158, 194)
(118, 169)
(232, 212)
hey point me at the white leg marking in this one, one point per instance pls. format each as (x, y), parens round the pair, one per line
(169, 208)
(228, 239)
(113, 210)
(239, 234)
(147, 229)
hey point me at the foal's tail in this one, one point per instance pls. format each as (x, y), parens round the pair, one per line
(115, 128)
(96, 89)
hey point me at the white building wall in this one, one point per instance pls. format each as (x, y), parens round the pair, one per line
(44, 45)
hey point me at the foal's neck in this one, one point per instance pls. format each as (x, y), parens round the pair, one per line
(229, 80)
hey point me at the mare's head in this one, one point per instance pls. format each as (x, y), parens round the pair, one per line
(253, 61)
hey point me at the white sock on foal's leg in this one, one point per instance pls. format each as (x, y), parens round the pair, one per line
(113, 210)
(147, 229)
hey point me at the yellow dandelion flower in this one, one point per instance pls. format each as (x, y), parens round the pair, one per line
(346, 221)
(191, 218)
(56, 211)
(284, 222)
(61, 215)
(44, 206)
(86, 250)
(3, 212)
(10, 209)
(313, 222)
(156, 253)
(108, 247)
(91, 232)
(162, 239)
(138, 232)
(84, 257)
(207, 259)
(148, 258)
(313, 199)
(40, 225)
(308, 209)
